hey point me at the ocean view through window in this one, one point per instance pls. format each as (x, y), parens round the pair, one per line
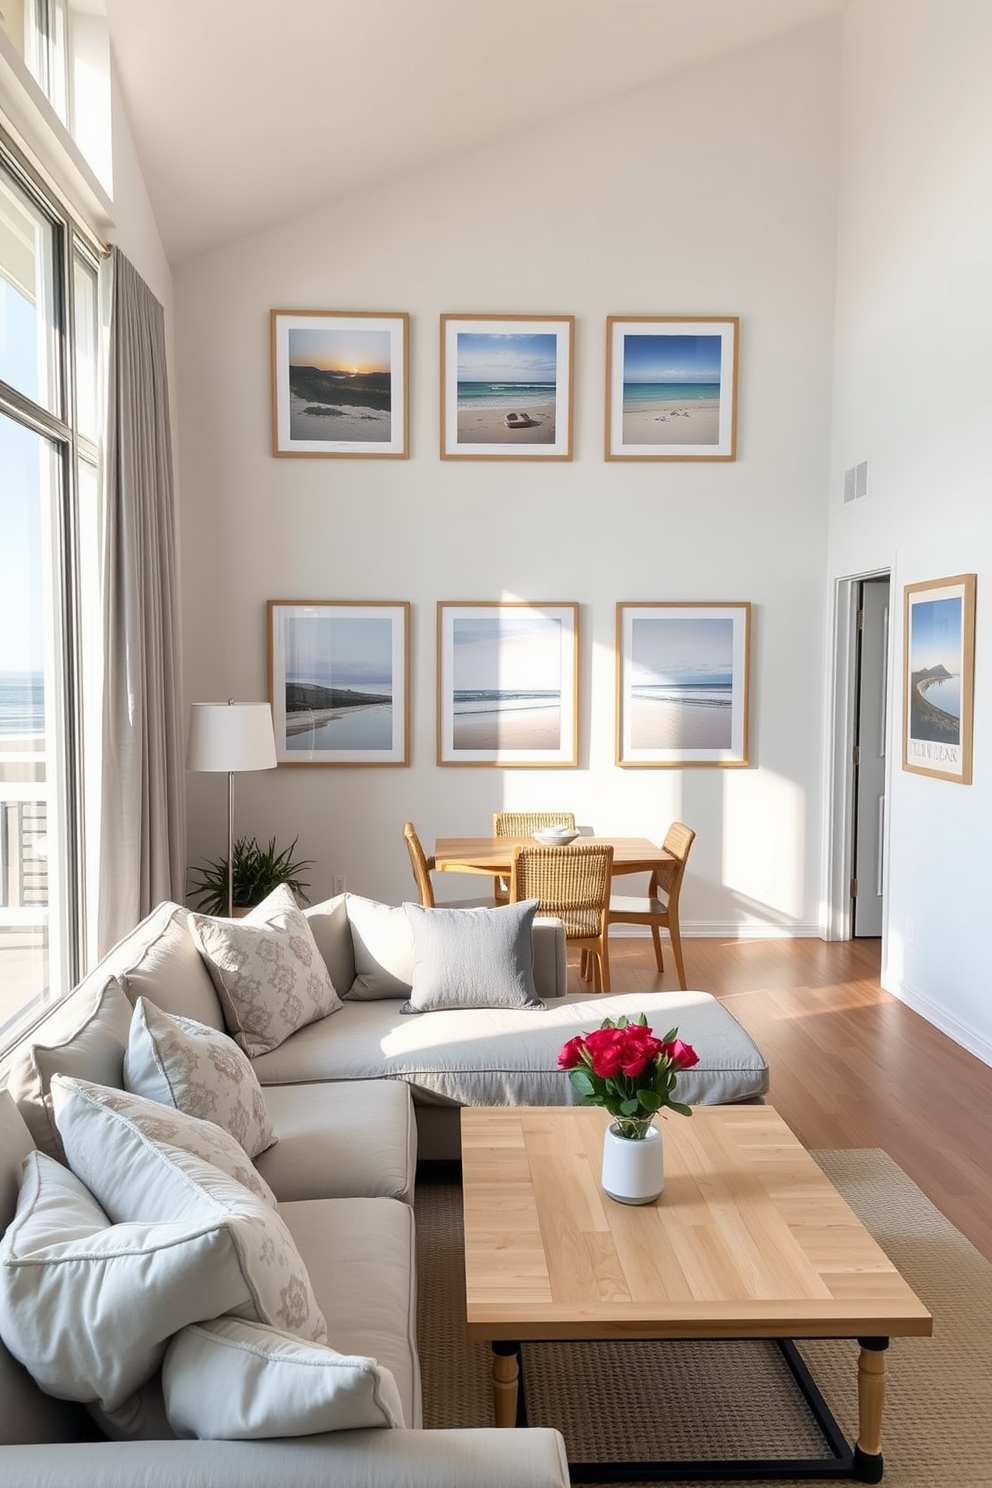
(47, 540)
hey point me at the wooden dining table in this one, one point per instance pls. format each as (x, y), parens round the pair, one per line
(493, 856)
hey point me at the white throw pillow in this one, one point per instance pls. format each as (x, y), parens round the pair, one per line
(88, 1306)
(179, 1062)
(203, 1139)
(231, 1380)
(269, 974)
(383, 947)
(472, 958)
(138, 1179)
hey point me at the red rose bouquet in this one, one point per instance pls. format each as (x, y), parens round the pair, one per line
(623, 1067)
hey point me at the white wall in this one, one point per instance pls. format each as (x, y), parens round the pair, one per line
(912, 396)
(714, 194)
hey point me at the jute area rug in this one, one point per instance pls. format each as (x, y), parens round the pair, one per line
(647, 1401)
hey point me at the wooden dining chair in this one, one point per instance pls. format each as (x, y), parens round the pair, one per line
(423, 867)
(660, 908)
(572, 883)
(525, 824)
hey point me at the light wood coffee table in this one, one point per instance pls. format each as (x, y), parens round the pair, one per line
(749, 1240)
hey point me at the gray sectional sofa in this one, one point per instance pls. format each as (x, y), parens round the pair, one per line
(346, 1093)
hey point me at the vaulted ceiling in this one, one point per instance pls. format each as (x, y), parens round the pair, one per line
(246, 112)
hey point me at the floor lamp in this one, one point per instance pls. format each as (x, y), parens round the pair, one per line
(233, 737)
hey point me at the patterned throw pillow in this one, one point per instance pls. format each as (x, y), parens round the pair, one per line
(268, 972)
(138, 1179)
(203, 1139)
(182, 1063)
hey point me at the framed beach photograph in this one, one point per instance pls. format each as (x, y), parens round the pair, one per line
(507, 684)
(506, 387)
(338, 681)
(682, 684)
(340, 383)
(939, 680)
(671, 387)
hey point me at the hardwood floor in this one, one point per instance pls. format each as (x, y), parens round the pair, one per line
(851, 1066)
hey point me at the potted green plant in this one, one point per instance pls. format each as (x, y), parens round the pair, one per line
(257, 871)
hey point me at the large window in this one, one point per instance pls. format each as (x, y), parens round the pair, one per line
(49, 615)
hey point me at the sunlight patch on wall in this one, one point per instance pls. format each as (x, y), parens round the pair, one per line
(764, 842)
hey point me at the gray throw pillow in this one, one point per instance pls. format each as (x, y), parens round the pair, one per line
(472, 958)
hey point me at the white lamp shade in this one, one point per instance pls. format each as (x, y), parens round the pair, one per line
(230, 736)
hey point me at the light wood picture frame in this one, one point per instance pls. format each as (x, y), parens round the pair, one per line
(339, 681)
(506, 387)
(939, 678)
(507, 680)
(683, 677)
(671, 387)
(340, 384)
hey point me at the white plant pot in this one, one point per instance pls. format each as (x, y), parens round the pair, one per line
(633, 1169)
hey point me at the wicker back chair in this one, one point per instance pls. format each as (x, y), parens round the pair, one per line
(660, 909)
(572, 883)
(525, 824)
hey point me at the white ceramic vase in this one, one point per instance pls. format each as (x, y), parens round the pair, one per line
(633, 1167)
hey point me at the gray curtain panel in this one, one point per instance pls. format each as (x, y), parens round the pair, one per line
(142, 817)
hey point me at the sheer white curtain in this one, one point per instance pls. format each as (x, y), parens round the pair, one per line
(142, 816)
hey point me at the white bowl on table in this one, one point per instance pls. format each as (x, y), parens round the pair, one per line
(556, 836)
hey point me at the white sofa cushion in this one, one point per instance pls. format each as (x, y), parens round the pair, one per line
(182, 1063)
(86, 1036)
(229, 1379)
(270, 976)
(341, 1138)
(509, 1057)
(137, 1179)
(472, 958)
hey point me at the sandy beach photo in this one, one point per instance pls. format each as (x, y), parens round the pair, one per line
(672, 388)
(508, 684)
(680, 722)
(669, 421)
(507, 387)
(508, 727)
(477, 425)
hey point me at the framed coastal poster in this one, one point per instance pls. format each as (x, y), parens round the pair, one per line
(939, 682)
(671, 387)
(682, 684)
(340, 383)
(507, 684)
(338, 681)
(506, 387)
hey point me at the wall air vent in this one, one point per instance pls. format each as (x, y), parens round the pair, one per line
(856, 482)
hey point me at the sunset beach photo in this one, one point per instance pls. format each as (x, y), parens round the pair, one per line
(339, 384)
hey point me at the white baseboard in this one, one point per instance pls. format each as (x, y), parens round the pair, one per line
(945, 1021)
(713, 930)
